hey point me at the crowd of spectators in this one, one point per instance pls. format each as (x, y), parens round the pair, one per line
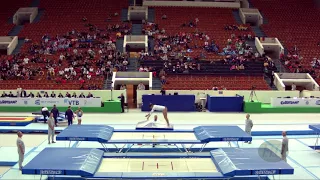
(23, 93)
(236, 28)
(74, 56)
(179, 45)
(292, 60)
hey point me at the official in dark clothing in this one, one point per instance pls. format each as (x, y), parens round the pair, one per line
(55, 113)
(69, 115)
(31, 95)
(53, 95)
(122, 100)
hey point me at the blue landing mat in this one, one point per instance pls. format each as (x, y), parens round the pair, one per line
(65, 161)
(85, 162)
(249, 161)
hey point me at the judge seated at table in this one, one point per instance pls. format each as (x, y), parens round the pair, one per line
(38, 95)
(53, 95)
(11, 95)
(89, 95)
(74, 95)
(31, 95)
(68, 95)
(82, 95)
(60, 95)
(4, 94)
(46, 95)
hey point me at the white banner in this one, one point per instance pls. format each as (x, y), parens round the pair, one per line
(295, 102)
(40, 102)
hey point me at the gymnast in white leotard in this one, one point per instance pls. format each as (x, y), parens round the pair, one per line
(79, 114)
(163, 109)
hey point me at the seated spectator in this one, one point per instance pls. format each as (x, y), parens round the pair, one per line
(38, 95)
(141, 86)
(82, 95)
(53, 95)
(164, 16)
(123, 87)
(60, 95)
(74, 95)
(163, 80)
(215, 88)
(223, 88)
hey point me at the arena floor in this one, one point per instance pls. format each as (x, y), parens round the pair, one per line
(302, 158)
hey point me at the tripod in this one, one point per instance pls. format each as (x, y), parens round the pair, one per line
(252, 94)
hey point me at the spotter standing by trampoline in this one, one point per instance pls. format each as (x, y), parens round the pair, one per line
(163, 109)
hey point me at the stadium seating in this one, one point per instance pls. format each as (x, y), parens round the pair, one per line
(207, 82)
(7, 10)
(293, 22)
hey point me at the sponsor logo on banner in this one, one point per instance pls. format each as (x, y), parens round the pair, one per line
(50, 172)
(37, 102)
(8, 102)
(318, 102)
(307, 103)
(72, 102)
(289, 102)
(264, 172)
(45, 102)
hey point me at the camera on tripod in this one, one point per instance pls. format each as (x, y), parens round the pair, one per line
(253, 94)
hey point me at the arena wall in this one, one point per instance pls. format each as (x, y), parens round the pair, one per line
(262, 96)
(192, 4)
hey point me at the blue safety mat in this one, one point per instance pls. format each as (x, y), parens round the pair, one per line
(220, 133)
(316, 128)
(61, 116)
(99, 133)
(249, 161)
(65, 161)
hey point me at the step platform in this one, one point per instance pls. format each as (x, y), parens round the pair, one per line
(153, 125)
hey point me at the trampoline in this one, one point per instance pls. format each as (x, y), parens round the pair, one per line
(200, 135)
(95, 164)
(316, 129)
(15, 121)
(39, 117)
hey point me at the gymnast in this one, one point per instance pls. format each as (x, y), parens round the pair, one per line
(164, 110)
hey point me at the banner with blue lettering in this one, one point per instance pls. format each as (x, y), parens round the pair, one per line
(40, 102)
(295, 102)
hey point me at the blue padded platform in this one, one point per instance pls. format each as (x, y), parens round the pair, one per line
(208, 134)
(315, 128)
(249, 161)
(99, 133)
(39, 117)
(65, 161)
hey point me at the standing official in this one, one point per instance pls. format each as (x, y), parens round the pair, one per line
(21, 149)
(51, 131)
(285, 146)
(248, 126)
(69, 115)
(55, 113)
(122, 100)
